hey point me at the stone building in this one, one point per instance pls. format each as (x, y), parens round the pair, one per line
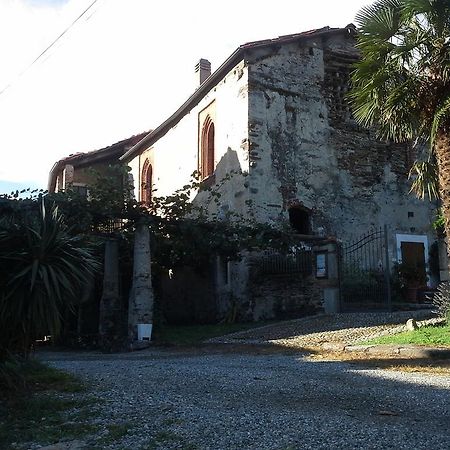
(275, 116)
(79, 170)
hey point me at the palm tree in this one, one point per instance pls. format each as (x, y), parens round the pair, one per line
(42, 269)
(402, 84)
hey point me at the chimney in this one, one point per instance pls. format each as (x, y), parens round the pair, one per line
(202, 71)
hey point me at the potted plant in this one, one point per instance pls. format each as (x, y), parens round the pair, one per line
(412, 278)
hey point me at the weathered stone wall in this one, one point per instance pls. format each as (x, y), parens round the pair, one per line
(284, 296)
(83, 175)
(303, 139)
(277, 291)
(281, 117)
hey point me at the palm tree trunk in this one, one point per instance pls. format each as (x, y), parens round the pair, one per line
(442, 152)
(140, 310)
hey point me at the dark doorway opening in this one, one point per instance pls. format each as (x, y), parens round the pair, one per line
(413, 258)
(300, 220)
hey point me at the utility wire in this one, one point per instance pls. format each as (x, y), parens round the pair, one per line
(48, 48)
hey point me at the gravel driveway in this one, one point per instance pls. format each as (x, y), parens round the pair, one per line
(314, 331)
(216, 400)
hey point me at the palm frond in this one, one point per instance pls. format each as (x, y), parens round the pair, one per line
(42, 269)
(404, 69)
(425, 179)
(379, 20)
(442, 113)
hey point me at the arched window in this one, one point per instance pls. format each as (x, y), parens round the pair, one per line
(146, 182)
(207, 149)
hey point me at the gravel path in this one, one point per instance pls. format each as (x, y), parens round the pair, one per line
(314, 331)
(213, 400)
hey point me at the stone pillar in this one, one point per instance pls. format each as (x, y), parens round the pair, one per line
(330, 283)
(140, 307)
(111, 323)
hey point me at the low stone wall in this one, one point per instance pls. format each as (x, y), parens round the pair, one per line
(284, 296)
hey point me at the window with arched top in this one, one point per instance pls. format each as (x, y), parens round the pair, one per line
(207, 149)
(146, 182)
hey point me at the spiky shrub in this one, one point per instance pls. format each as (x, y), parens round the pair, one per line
(441, 301)
(42, 270)
(401, 85)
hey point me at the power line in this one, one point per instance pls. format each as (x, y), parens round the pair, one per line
(48, 48)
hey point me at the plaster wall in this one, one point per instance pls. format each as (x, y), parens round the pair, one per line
(174, 156)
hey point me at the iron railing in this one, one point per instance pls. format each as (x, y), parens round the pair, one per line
(272, 262)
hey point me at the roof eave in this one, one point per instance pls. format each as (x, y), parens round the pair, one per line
(192, 101)
(215, 77)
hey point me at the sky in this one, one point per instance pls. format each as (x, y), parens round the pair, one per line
(122, 69)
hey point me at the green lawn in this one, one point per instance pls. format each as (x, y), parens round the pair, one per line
(42, 407)
(428, 336)
(195, 334)
(49, 406)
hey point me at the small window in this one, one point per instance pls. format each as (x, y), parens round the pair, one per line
(207, 153)
(300, 220)
(146, 183)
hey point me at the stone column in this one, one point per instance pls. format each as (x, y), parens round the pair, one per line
(140, 308)
(331, 298)
(111, 323)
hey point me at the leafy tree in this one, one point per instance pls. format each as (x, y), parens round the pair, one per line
(402, 84)
(42, 268)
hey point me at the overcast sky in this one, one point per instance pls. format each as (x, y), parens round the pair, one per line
(121, 69)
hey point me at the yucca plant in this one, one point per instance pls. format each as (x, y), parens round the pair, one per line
(402, 83)
(42, 270)
(441, 301)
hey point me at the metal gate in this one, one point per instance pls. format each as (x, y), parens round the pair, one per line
(364, 272)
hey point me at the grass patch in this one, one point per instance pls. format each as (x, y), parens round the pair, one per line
(41, 377)
(391, 362)
(427, 336)
(195, 334)
(166, 437)
(172, 421)
(43, 409)
(116, 431)
(431, 368)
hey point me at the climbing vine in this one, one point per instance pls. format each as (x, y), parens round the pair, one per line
(183, 232)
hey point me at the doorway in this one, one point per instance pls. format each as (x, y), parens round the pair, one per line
(412, 252)
(413, 256)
